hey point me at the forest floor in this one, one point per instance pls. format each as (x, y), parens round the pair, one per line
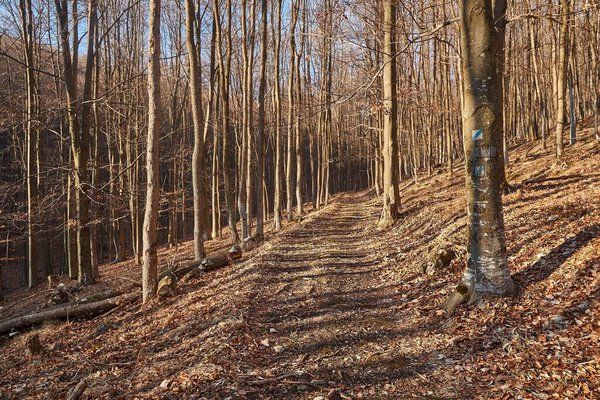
(331, 307)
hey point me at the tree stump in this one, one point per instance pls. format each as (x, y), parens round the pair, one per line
(235, 253)
(167, 285)
(60, 295)
(461, 295)
(33, 346)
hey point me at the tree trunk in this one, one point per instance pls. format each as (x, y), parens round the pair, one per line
(290, 127)
(487, 270)
(82, 176)
(79, 137)
(391, 194)
(198, 154)
(278, 121)
(298, 134)
(228, 155)
(560, 75)
(573, 125)
(149, 256)
(261, 126)
(30, 137)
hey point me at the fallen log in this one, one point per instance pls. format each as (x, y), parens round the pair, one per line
(193, 274)
(250, 243)
(211, 263)
(66, 311)
(106, 295)
(215, 261)
(218, 260)
(187, 267)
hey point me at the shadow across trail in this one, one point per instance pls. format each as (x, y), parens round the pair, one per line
(321, 296)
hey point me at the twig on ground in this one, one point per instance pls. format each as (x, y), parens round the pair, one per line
(275, 379)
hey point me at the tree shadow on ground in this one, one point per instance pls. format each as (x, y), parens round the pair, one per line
(546, 265)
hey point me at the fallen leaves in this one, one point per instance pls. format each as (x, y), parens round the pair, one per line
(332, 306)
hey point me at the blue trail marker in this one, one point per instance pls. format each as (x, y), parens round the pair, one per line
(477, 134)
(479, 170)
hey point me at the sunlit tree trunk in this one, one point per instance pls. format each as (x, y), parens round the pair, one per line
(198, 154)
(391, 194)
(149, 255)
(561, 71)
(278, 122)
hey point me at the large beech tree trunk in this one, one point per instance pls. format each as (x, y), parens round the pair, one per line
(487, 269)
(149, 256)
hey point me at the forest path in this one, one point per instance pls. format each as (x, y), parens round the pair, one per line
(325, 306)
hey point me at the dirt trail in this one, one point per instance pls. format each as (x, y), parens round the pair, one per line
(324, 297)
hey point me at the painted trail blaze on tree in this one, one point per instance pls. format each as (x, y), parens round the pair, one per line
(482, 31)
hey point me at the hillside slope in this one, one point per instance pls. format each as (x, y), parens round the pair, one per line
(333, 307)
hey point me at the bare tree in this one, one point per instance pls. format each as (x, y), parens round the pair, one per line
(228, 156)
(561, 72)
(198, 155)
(149, 256)
(259, 182)
(290, 127)
(278, 122)
(31, 136)
(79, 133)
(391, 194)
